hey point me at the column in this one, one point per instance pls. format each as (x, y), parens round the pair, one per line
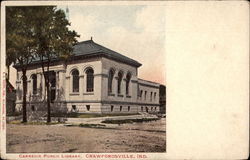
(43, 87)
(61, 85)
(115, 85)
(82, 87)
(67, 87)
(57, 86)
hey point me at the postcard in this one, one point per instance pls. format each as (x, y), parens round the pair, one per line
(124, 80)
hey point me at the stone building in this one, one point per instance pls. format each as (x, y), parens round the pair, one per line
(162, 95)
(94, 80)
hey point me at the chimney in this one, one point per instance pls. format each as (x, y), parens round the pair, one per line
(91, 38)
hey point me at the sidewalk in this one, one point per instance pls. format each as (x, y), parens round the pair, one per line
(98, 120)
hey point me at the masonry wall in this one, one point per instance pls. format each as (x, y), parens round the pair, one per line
(148, 97)
(83, 96)
(97, 101)
(108, 64)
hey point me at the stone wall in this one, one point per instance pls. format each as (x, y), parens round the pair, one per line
(97, 101)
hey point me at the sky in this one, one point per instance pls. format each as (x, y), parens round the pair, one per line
(136, 31)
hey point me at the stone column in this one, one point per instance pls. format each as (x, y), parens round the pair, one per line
(61, 85)
(123, 86)
(42, 86)
(98, 86)
(39, 86)
(115, 86)
(57, 85)
(67, 87)
(29, 89)
(82, 87)
(84, 83)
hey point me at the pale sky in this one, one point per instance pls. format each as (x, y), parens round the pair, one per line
(136, 31)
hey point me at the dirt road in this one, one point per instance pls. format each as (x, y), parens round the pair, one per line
(139, 137)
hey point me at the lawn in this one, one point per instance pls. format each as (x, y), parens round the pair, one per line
(87, 115)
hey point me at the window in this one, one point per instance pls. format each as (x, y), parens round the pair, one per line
(33, 108)
(19, 93)
(141, 108)
(128, 108)
(138, 92)
(155, 108)
(90, 80)
(128, 77)
(110, 79)
(112, 108)
(155, 96)
(88, 107)
(151, 95)
(74, 107)
(141, 94)
(120, 108)
(119, 82)
(34, 82)
(151, 108)
(75, 81)
(145, 95)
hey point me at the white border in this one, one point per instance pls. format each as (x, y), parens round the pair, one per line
(4, 155)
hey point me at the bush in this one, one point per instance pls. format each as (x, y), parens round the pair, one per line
(110, 121)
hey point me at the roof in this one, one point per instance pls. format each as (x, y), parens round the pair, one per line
(146, 82)
(91, 48)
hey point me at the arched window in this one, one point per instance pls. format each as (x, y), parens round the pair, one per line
(75, 81)
(128, 77)
(90, 80)
(34, 83)
(110, 79)
(141, 94)
(119, 82)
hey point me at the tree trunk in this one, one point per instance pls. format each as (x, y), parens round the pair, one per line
(24, 96)
(47, 83)
(48, 100)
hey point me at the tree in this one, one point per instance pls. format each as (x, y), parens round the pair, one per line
(20, 44)
(37, 32)
(54, 40)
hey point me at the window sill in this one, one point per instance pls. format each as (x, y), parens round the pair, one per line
(111, 94)
(128, 96)
(88, 93)
(119, 95)
(74, 94)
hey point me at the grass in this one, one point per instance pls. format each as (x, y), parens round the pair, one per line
(86, 125)
(129, 120)
(33, 123)
(86, 115)
(92, 125)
